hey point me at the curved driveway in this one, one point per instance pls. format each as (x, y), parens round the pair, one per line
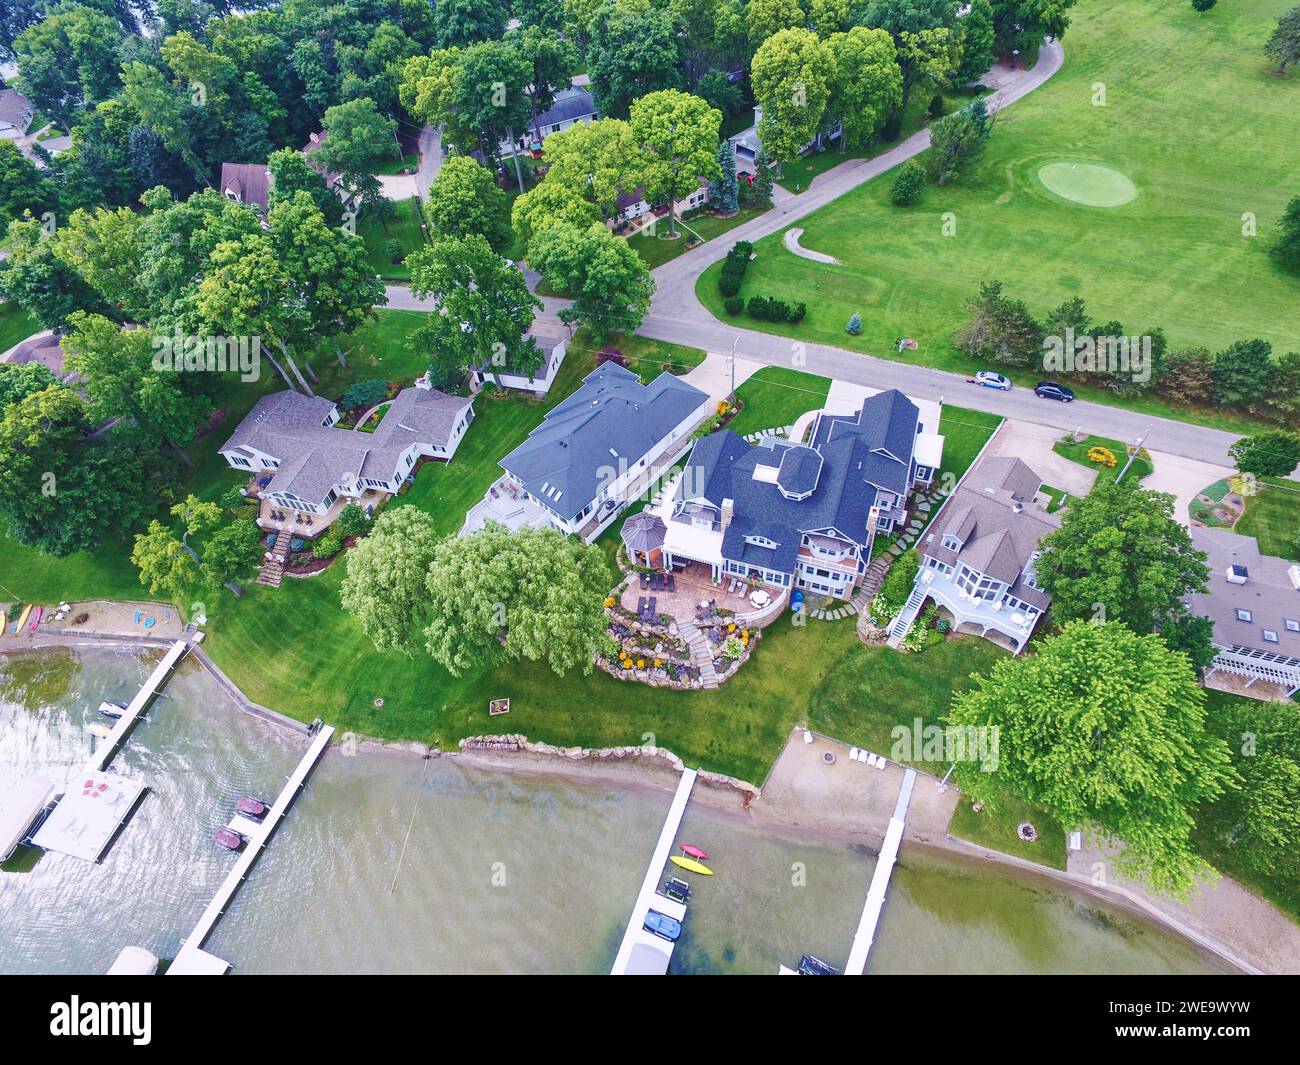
(677, 315)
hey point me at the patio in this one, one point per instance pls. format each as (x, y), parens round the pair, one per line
(310, 526)
(691, 586)
(506, 504)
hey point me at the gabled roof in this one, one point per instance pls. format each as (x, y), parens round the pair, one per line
(251, 182)
(314, 456)
(886, 424)
(15, 109)
(570, 105)
(1269, 593)
(608, 424)
(993, 516)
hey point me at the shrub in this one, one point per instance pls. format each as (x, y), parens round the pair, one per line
(892, 127)
(733, 304)
(352, 521)
(1203, 5)
(734, 267)
(330, 543)
(393, 249)
(937, 106)
(797, 312)
(365, 394)
(908, 185)
(854, 328)
(233, 500)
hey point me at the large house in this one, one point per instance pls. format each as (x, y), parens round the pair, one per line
(316, 468)
(748, 147)
(15, 113)
(593, 452)
(1254, 602)
(248, 183)
(978, 555)
(803, 515)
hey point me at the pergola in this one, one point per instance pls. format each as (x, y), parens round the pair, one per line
(643, 536)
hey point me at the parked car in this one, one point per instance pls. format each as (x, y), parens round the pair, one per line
(989, 379)
(1051, 390)
(662, 925)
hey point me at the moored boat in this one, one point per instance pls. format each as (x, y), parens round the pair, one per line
(677, 889)
(694, 852)
(111, 709)
(98, 728)
(662, 925)
(228, 838)
(252, 808)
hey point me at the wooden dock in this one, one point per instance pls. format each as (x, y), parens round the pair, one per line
(866, 933)
(192, 959)
(641, 951)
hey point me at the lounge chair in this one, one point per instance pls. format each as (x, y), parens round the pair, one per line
(871, 758)
(881, 761)
(672, 583)
(640, 604)
(645, 580)
(853, 754)
(650, 606)
(807, 736)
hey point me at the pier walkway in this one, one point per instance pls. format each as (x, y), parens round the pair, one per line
(94, 804)
(192, 959)
(642, 952)
(866, 932)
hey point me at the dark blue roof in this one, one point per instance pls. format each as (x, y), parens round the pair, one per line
(887, 425)
(799, 470)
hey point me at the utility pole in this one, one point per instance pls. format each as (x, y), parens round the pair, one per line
(1141, 440)
(732, 359)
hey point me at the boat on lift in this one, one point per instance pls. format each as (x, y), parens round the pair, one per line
(112, 709)
(253, 809)
(228, 838)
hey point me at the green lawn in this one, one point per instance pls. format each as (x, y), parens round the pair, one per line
(1140, 469)
(657, 250)
(774, 397)
(646, 357)
(964, 432)
(15, 325)
(1174, 257)
(405, 228)
(390, 163)
(1273, 517)
(996, 828)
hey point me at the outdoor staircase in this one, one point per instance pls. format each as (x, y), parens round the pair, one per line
(701, 652)
(273, 568)
(906, 616)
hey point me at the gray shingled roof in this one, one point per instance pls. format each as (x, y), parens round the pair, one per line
(1269, 594)
(610, 422)
(570, 105)
(251, 182)
(997, 538)
(314, 457)
(15, 109)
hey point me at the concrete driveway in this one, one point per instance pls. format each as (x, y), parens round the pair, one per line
(1032, 443)
(1183, 478)
(713, 375)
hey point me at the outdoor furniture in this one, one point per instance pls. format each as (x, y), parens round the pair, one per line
(760, 598)
(645, 580)
(871, 758)
(807, 736)
(880, 761)
(672, 583)
(853, 754)
(650, 606)
(640, 604)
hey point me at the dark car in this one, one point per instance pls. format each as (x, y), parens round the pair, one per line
(1051, 390)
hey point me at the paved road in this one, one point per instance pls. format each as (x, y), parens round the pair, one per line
(677, 315)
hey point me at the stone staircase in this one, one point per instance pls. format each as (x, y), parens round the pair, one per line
(701, 652)
(273, 568)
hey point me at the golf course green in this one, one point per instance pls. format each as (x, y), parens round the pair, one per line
(1090, 184)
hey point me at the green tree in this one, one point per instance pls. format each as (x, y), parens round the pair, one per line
(1272, 453)
(610, 283)
(1187, 376)
(1243, 372)
(553, 60)
(1022, 24)
(234, 549)
(292, 174)
(164, 564)
(724, 190)
(930, 55)
(1104, 729)
(867, 83)
(485, 308)
(551, 203)
(356, 136)
(499, 596)
(908, 185)
(1283, 44)
(39, 281)
(1120, 555)
(957, 141)
(464, 199)
(763, 18)
(22, 186)
(596, 160)
(791, 77)
(69, 60)
(1258, 823)
(678, 135)
(632, 54)
(384, 588)
(977, 39)
(1000, 328)
(459, 23)
(1286, 245)
(103, 247)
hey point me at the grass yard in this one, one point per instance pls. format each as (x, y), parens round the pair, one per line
(391, 163)
(647, 358)
(996, 828)
(657, 250)
(1140, 469)
(1273, 518)
(405, 228)
(774, 397)
(15, 325)
(1191, 118)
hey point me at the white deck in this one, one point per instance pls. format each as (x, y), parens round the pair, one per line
(191, 960)
(866, 933)
(21, 801)
(643, 952)
(89, 814)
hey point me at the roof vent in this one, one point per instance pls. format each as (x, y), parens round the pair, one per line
(1236, 574)
(1017, 507)
(1294, 573)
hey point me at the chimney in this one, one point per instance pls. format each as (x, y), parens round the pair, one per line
(1017, 507)
(728, 511)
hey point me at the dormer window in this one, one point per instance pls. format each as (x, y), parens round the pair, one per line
(951, 543)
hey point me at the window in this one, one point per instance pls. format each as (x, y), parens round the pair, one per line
(239, 462)
(1243, 615)
(1292, 625)
(952, 543)
(1270, 636)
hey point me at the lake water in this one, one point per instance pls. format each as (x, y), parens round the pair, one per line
(391, 863)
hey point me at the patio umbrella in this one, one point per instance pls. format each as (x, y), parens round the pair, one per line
(643, 533)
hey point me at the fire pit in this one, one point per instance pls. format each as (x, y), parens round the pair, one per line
(829, 757)
(1027, 832)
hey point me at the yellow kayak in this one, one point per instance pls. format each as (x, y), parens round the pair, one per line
(22, 620)
(692, 865)
(4, 620)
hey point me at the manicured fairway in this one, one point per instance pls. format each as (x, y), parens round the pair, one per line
(1191, 119)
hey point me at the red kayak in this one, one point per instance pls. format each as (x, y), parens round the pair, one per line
(694, 852)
